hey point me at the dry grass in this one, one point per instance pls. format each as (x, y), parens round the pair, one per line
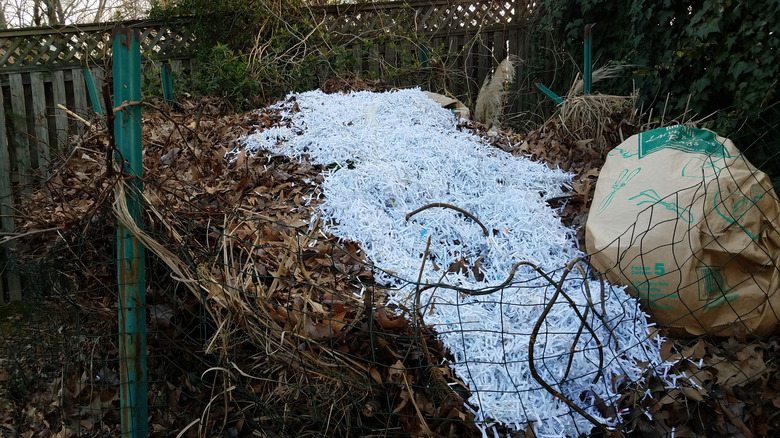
(492, 96)
(600, 74)
(596, 120)
(275, 358)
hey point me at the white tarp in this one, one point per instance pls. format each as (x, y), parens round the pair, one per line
(391, 153)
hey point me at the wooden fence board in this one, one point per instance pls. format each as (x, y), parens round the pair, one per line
(373, 60)
(512, 36)
(79, 97)
(499, 46)
(60, 117)
(14, 285)
(40, 121)
(390, 56)
(470, 68)
(484, 61)
(21, 136)
(357, 53)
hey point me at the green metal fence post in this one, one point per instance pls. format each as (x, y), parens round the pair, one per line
(550, 93)
(167, 84)
(130, 251)
(588, 77)
(92, 90)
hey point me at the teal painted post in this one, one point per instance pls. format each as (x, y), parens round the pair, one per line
(130, 251)
(588, 78)
(167, 84)
(92, 90)
(424, 56)
(550, 93)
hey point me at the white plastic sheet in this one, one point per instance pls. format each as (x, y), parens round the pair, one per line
(391, 153)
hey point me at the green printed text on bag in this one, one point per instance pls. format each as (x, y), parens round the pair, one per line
(681, 138)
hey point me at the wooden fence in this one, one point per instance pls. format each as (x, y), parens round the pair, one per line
(42, 71)
(468, 37)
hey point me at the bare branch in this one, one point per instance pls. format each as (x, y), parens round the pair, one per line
(100, 9)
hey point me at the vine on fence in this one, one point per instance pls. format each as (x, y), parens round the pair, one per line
(256, 53)
(718, 58)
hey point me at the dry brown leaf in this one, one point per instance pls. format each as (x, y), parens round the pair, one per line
(337, 321)
(386, 322)
(727, 371)
(375, 375)
(693, 393)
(696, 351)
(317, 331)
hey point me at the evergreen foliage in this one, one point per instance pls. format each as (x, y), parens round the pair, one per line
(708, 57)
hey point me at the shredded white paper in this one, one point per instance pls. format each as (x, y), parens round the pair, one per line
(391, 153)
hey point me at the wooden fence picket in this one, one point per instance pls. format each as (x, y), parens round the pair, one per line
(11, 287)
(42, 71)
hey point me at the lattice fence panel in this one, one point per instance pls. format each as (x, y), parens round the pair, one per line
(69, 46)
(429, 18)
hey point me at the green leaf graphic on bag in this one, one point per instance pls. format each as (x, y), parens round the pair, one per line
(713, 287)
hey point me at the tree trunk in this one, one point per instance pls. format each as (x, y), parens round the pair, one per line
(60, 11)
(37, 12)
(54, 12)
(51, 13)
(100, 9)
(3, 23)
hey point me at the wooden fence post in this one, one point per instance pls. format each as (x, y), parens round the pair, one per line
(40, 122)
(60, 117)
(21, 135)
(14, 284)
(79, 96)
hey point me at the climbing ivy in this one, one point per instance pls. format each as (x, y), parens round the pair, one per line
(709, 57)
(723, 54)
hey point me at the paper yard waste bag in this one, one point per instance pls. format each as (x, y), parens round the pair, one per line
(691, 227)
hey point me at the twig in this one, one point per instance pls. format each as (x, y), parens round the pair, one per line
(74, 115)
(535, 333)
(473, 292)
(13, 236)
(582, 325)
(419, 279)
(603, 305)
(573, 348)
(452, 207)
(127, 104)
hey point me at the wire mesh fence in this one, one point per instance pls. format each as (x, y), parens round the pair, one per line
(260, 322)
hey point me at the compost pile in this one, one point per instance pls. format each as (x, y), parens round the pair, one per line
(390, 155)
(264, 318)
(241, 282)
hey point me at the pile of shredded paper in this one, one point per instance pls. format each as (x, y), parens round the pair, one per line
(388, 154)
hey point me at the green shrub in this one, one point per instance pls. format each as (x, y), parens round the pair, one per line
(225, 73)
(724, 54)
(709, 57)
